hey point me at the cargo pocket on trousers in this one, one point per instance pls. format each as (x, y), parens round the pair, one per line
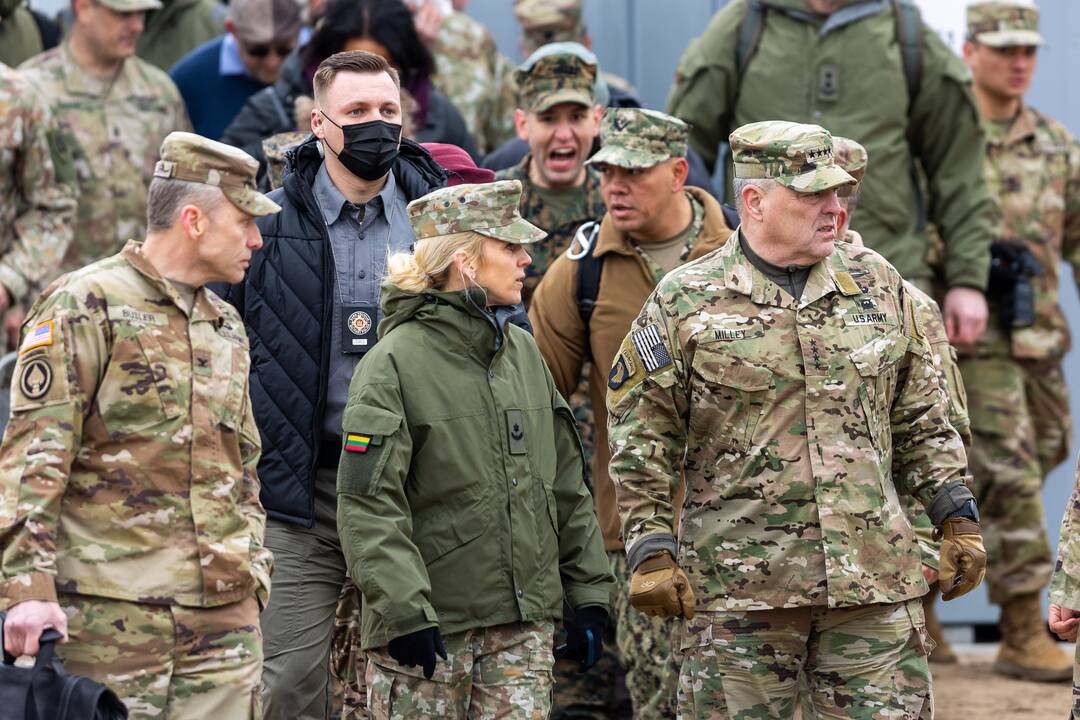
(920, 640)
(366, 435)
(380, 692)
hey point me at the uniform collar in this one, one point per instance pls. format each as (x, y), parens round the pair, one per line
(740, 275)
(128, 80)
(1022, 128)
(203, 309)
(713, 232)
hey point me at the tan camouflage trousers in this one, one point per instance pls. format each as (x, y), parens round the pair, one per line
(171, 662)
(1020, 431)
(861, 663)
(1075, 714)
(496, 672)
(348, 663)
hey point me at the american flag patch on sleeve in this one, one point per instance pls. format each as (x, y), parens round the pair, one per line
(40, 336)
(651, 349)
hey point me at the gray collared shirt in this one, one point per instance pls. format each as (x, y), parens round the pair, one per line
(362, 238)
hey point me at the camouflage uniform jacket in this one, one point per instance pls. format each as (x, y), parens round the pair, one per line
(37, 195)
(477, 79)
(116, 126)
(1065, 582)
(1033, 171)
(794, 425)
(560, 230)
(127, 470)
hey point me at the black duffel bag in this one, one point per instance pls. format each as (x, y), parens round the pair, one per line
(48, 692)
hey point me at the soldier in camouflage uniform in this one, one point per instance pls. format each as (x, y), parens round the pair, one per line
(1018, 400)
(1065, 586)
(129, 505)
(37, 191)
(115, 110)
(477, 78)
(558, 116)
(659, 224)
(853, 157)
(785, 379)
(552, 21)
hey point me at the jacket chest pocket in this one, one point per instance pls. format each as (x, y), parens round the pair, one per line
(876, 362)
(140, 388)
(727, 400)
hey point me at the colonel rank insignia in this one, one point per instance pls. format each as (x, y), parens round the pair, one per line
(651, 349)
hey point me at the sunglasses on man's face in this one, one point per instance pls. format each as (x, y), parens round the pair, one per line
(261, 51)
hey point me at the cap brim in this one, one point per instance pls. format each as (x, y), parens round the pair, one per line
(630, 159)
(520, 232)
(132, 5)
(822, 178)
(1011, 38)
(567, 95)
(251, 201)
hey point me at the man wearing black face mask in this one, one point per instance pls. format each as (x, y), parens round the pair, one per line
(310, 302)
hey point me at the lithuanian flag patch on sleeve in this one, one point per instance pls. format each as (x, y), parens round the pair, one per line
(357, 443)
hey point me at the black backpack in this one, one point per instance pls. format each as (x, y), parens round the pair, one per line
(48, 692)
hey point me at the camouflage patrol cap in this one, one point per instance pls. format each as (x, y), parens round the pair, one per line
(554, 74)
(797, 156)
(548, 21)
(851, 156)
(190, 157)
(490, 209)
(638, 138)
(1004, 24)
(132, 5)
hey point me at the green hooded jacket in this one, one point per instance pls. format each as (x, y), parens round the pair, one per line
(461, 502)
(20, 38)
(177, 28)
(845, 73)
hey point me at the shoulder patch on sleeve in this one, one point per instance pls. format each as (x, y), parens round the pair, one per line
(39, 336)
(650, 347)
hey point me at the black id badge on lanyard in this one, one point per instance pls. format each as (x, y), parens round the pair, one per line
(358, 327)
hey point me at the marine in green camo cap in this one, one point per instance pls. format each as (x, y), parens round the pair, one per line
(490, 209)
(553, 75)
(1004, 24)
(799, 157)
(190, 157)
(636, 138)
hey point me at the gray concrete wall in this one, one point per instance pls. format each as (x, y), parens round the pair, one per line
(643, 39)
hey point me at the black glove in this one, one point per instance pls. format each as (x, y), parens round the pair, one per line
(418, 648)
(584, 637)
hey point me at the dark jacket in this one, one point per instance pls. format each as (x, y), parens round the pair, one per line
(271, 111)
(460, 494)
(286, 300)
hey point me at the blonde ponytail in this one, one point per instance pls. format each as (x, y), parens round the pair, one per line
(428, 266)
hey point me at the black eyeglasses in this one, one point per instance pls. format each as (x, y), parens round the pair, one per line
(261, 51)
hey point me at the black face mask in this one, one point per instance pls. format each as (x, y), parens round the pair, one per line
(370, 148)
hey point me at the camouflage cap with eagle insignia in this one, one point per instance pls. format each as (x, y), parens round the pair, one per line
(193, 158)
(555, 74)
(490, 209)
(797, 156)
(1004, 24)
(638, 138)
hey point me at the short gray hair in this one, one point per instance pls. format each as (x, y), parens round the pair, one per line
(166, 198)
(738, 183)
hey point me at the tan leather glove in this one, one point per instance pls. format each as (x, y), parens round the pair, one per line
(963, 557)
(660, 587)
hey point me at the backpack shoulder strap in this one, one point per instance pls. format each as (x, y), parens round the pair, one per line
(589, 269)
(909, 32)
(749, 34)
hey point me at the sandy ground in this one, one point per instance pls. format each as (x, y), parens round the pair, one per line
(968, 690)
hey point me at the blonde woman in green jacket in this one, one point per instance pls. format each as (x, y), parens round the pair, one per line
(462, 511)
